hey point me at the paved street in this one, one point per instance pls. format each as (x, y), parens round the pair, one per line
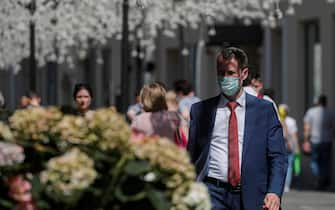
(308, 200)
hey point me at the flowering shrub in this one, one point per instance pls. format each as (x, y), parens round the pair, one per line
(13, 188)
(75, 162)
(31, 129)
(10, 154)
(161, 172)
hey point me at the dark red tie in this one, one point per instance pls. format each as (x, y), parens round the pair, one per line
(233, 154)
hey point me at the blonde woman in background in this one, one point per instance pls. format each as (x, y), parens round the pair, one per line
(156, 120)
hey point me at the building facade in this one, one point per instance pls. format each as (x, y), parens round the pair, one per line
(299, 56)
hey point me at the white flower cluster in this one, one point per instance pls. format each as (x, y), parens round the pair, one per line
(68, 175)
(197, 197)
(62, 27)
(33, 125)
(10, 154)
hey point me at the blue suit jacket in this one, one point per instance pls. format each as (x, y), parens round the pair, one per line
(264, 158)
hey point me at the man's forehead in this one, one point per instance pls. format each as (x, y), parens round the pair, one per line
(228, 62)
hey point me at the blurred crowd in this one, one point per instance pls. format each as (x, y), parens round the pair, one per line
(166, 113)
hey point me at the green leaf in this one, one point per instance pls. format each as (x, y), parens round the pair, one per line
(158, 200)
(137, 167)
(119, 194)
(43, 205)
(6, 204)
(98, 155)
(37, 186)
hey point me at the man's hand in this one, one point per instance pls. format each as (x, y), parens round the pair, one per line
(271, 202)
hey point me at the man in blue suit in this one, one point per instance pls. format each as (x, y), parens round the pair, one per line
(236, 142)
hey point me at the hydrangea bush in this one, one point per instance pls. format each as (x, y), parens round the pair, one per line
(91, 163)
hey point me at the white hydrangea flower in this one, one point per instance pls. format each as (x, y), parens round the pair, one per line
(197, 197)
(150, 177)
(10, 154)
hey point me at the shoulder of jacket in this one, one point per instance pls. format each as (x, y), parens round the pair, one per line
(263, 104)
(207, 102)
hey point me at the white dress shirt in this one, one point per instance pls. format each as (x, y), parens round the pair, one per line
(218, 153)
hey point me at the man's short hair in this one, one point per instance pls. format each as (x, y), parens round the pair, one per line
(33, 94)
(182, 86)
(233, 52)
(322, 100)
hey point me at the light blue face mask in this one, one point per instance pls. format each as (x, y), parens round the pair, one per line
(229, 85)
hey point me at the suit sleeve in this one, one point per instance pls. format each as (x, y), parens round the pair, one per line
(192, 138)
(277, 154)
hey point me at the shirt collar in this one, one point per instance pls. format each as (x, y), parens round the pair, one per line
(250, 90)
(240, 101)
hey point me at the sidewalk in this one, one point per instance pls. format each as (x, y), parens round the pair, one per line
(308, 200)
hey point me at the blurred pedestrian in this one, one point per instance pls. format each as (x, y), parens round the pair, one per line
(171, 101)
(82, 95)
(319, 127)
(34, 99)
(185, 97)
(291, 136)
(4, 113)
(2, 101)
(236, 142)
(135, 109)
(156, 119)
(253, 85)
(24, 102)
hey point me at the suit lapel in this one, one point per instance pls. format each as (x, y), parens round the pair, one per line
(210, 118)
(250, 117)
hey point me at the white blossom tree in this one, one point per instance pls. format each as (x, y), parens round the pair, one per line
(14, 34)
(168, 15)
(59, 26)
(63, 27)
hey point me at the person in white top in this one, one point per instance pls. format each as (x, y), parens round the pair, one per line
(253, 85)
(319, 126)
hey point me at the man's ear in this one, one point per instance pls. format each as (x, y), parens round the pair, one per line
(244, 74)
